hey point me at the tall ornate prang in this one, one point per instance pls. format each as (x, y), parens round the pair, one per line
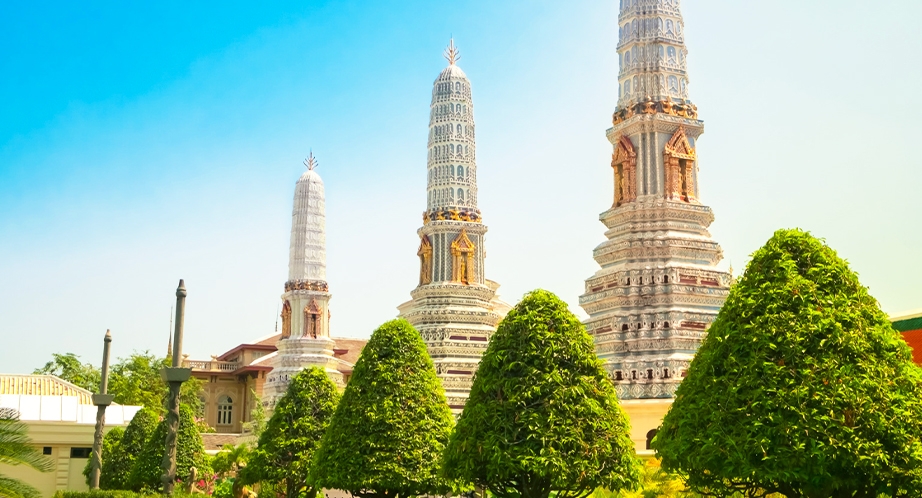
(305, 339)
(658, 288)
(455, 308)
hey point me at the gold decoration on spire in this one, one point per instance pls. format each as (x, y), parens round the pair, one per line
(452, 53)
(311, 162)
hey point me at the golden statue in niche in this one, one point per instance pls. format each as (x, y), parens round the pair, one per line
(624, 164)
(679, 162)
(462, 252)
(425, 260)
(312, 319)
(286, 320)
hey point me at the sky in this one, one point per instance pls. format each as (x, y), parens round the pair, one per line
(141, 143)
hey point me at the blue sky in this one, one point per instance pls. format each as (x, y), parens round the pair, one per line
(140, 144)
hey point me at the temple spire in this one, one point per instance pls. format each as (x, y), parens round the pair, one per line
(311, 162)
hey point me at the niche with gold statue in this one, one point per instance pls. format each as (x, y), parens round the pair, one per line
(679, 160)
(462, 253)
(624, 164)
(425, 260)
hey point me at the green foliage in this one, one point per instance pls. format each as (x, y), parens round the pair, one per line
(801, 387)
(68, 367)
(257, 422)
(288, 444)
(110, 444)
(231, 459)
(392, 424)
(654, 483)
(132, 381)
(16, 449)
(118, 462)
(224, 488)
(118, 494)
(190, 452)
(542, 416)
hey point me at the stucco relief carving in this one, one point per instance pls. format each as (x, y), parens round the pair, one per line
(624, 164)
(679, 159)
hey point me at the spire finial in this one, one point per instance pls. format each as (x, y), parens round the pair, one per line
(311, 161)
(452, 53)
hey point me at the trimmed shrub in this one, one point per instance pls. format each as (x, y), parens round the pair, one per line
(802, 387)
(146, 472)
(287, 445)
(388, 432)
(542, 416)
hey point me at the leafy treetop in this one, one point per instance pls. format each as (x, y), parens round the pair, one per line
(290, 439)
(801, 387)
(542, 416)
(389, 430)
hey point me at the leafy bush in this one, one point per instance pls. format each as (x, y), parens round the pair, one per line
(542, 416)
(388, 432)
(287, 445)
(110, 444)
(801, 387)
(146, 472)
(117, 493)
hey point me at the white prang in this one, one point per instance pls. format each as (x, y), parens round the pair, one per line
(454, 308)
(308, 254)
(658, 288)
(305, 340)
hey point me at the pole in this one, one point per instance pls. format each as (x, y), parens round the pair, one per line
(101, 400)
(174, 377)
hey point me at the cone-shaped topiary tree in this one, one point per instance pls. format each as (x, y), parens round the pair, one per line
(390, 427)
(801, 387)
(287, 445)
(117, 462)
(146, 472)
(542, 416)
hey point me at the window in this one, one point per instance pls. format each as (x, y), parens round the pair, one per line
(452, 170)
(225, 410)
(618, 376)
(80, 452)
(649, 373)
(460, 195)
(458, 86)
(46, 450)
(459, 129)
(460, 171)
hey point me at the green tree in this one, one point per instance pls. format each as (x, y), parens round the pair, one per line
(110, 444)
(542, 416)
(802, 387)
(257, 423)
(16, 449)
(118, 462)
(287, 445)
(190, 452)
(392, 424)
(68, 367)
(132, 381)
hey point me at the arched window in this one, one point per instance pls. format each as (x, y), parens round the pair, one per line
(460, 171)
(670, 53)
(452, 170)
(458, 86)
(673, 84)
(459, 129)
(650, 436)
(451, 107)
(225, 410)
(461, 195)
(451, 147)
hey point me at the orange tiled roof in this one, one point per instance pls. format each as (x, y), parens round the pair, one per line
(43, 385)
(350, 348)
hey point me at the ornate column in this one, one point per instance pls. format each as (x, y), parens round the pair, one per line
(174, 377)
(102, 400)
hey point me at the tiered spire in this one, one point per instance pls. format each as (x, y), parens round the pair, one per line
(658, 287)
(455, 307)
